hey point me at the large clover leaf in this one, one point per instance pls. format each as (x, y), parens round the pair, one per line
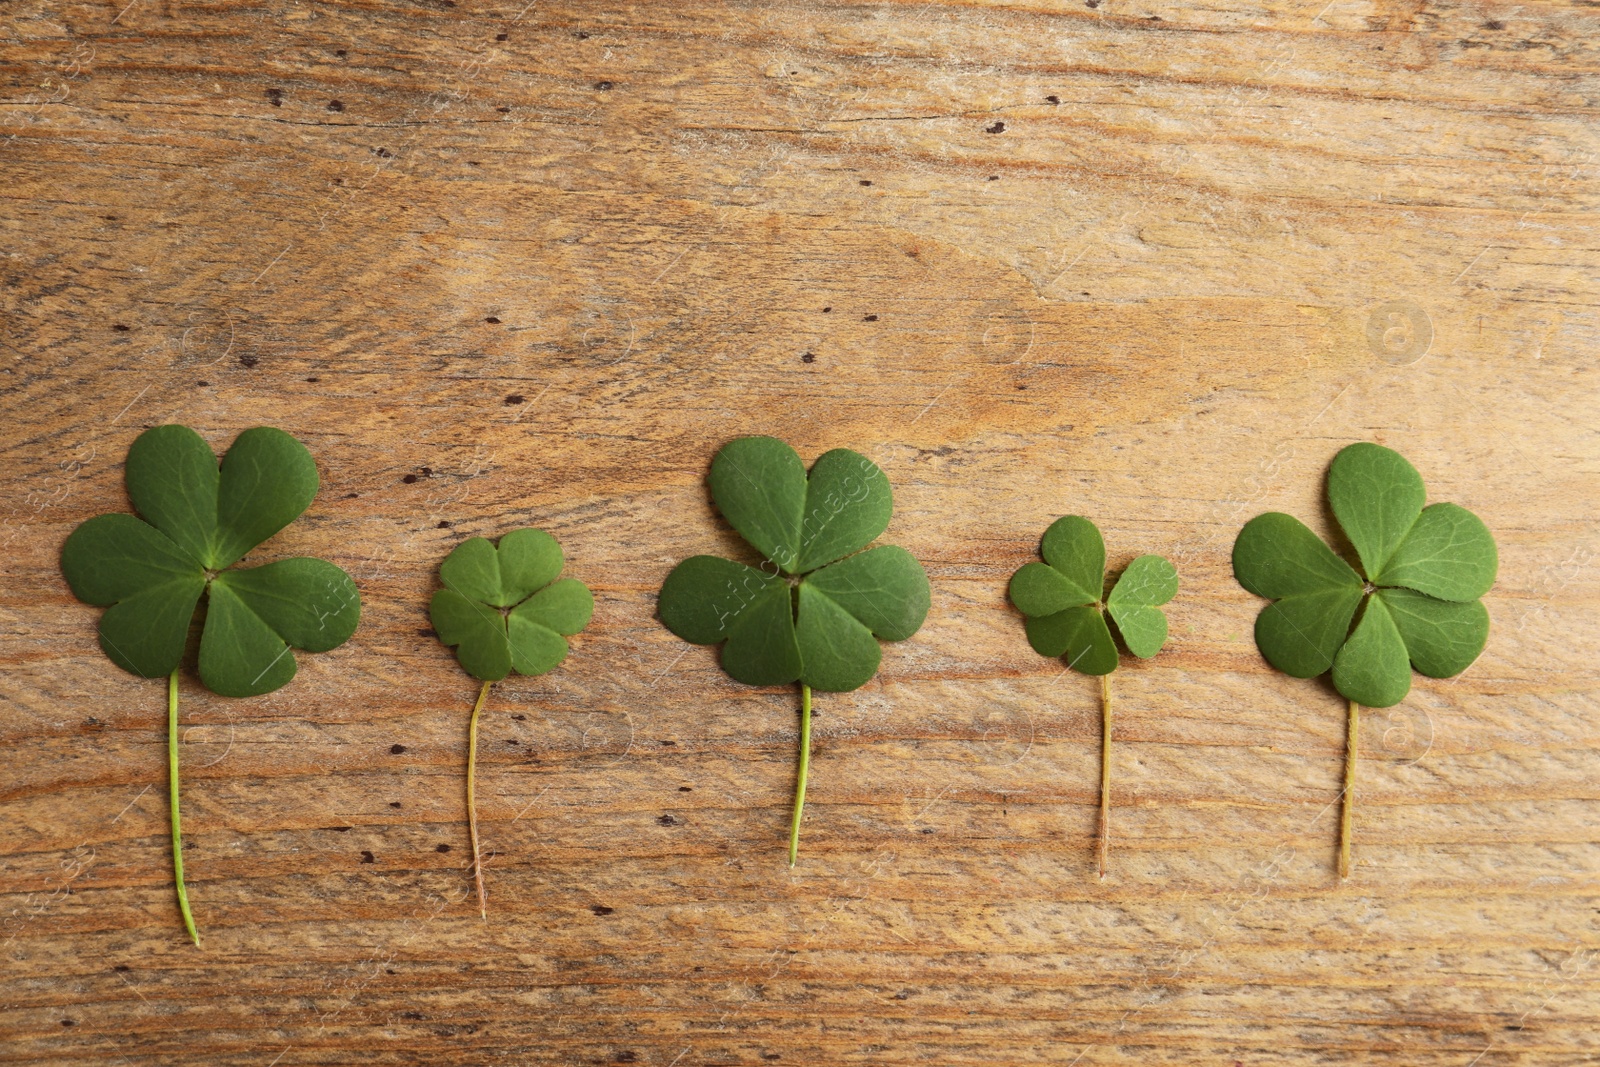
(1066, 617)
(198, 521)
(815, 617)
(503, 609)
(1415, 598)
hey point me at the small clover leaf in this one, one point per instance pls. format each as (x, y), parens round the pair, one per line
(199, 520)
(1064, 616)
(503, 609)
(1414, 601)
(816, 617)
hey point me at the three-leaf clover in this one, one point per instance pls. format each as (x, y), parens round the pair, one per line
(503, 609)
(199, 521)
(1422, 572)
(815, 613)
(1066, 617)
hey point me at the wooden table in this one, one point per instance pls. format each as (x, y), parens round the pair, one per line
(503, 265)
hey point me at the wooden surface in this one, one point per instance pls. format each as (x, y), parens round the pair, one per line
(498, 265)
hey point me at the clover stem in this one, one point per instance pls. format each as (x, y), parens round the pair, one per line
(1105, 770)
(1347, 809)
(172, 789)
(805, 770)
(472, 803)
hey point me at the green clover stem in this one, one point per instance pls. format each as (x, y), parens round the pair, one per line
(1105, 770)
(1347, 809)
(472, 804)
(805, 770)
(172, 788)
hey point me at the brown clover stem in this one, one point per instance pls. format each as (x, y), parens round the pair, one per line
(472, 805)
(805, 770)
(172, 790)
(1349, 796)
(1105, 770)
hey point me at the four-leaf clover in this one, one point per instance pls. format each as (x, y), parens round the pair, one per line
(1422, 572)
(1061, 599)
(199, 521)
(815, 613)
(503, 609)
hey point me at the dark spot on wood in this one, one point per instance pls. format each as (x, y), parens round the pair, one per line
(335, 105)
(666, 742)
(772, 1055)
(120, 328)
(502, 36)
(313, 379)
(201, 385)
(382, 153)
(582, 35)
(515, 398)
(338, 181)
(604, 87)
(998, 127)
(351, 496)
(865, 182)
(627, 1056)
(601, 909)
(341, 52)
(275, 97)
(396, 749)
(1494, 24)
(512, 741)
(492, 321)
(441, 847)
(994, 177)
(904, 994)
(340, 829)
(686, 789)
(1021, 386)
(808, 358)
(394, 804)
(122, 967)
(410, 479)
(248, 361)
(1091, 3)
(444, 524)
(503, 110)
(412, 1015)
(519, 717)
(69, 1022)
(427, 472)
(1052, 99)
(826, 310)
(1152, 18)
(928, 830)
(668, 820)
(869, 318)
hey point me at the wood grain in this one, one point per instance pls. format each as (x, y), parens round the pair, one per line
(501, 265)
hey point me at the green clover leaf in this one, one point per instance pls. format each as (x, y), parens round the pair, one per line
(1064, 616)
(1414, 602)
(817, 615)
(198, 521)
(1423, 570)
(503, 609)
